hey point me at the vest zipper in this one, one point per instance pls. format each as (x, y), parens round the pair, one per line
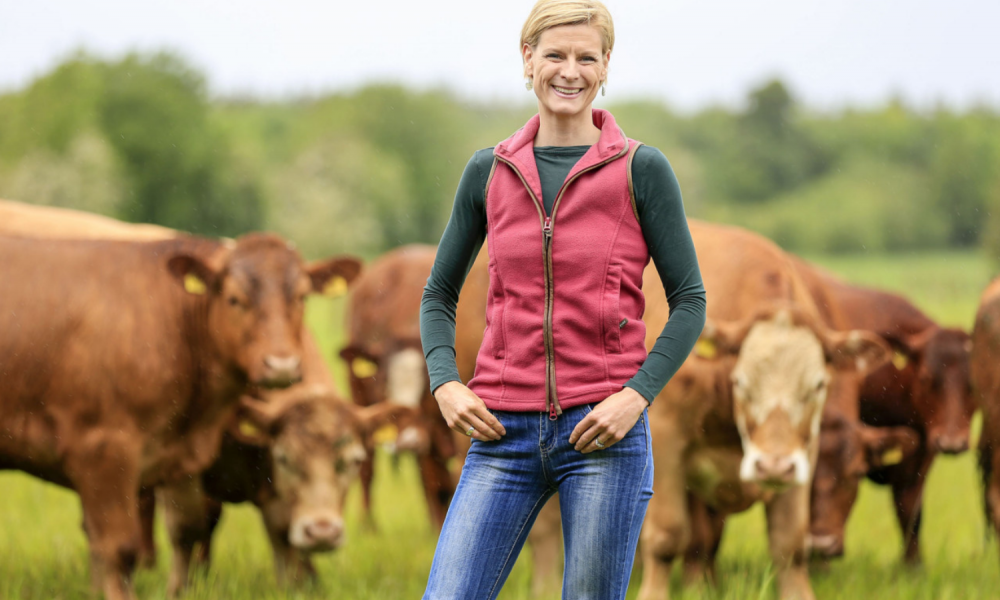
(551, 399)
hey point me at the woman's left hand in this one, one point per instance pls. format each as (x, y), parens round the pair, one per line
(609, 422)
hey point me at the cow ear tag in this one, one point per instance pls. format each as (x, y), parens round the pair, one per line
(899, 360)
(250, 430)
(705, 348)
(385, 434)
(194, 285)
(363, 368)
(336, 287)
(892, 456)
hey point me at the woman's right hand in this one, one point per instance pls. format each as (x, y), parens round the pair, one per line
(462, 409)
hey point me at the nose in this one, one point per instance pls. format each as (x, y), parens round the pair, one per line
(775, 468)
(952, 444)
(826, 546)
(282, 370)
(324, 533)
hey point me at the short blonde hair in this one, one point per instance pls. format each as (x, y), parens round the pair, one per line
(552, 13)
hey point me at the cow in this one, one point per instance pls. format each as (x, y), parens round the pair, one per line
(385, 362)
(740, 421)
(123, 361)
(985, 378)
(925, 388)
(17, 218)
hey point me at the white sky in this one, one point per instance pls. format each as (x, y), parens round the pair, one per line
(687, 52)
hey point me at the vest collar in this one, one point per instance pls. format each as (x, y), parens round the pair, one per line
(519, 149)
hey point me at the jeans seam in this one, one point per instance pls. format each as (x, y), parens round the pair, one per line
(626, 576)
(506, 561)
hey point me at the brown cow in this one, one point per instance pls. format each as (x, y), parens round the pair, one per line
(925, 388)
(739, 423)
(386, 362)
(122, 362)
(986, 385)
(35, 221)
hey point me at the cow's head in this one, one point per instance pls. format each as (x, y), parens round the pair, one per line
(938, 362)
(779, 386)
(393, 371)
(255, 292)
(848, 450)
(316, 445)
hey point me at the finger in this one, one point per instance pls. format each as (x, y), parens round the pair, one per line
(587, 437)
(492, 422)
(482, 427)
(584, 424)
(470, 430)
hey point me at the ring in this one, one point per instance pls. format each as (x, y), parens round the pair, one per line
(470, 431)
(599, 443)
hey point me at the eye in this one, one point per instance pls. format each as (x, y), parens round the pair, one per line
(234, 301)
(553, 56)
(820, 385)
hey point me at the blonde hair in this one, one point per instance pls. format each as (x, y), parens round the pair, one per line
(552, 13)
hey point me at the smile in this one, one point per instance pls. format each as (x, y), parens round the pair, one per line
(567, 92)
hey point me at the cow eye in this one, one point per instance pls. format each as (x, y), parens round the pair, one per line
(820, 385)
(234, 301)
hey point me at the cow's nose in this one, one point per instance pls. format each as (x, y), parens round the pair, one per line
(826, 546)
(324, 532)
(776, 468)
(953, 444)
(282, 363)
(281, 371)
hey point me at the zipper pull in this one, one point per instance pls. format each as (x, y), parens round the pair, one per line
(547, 228)
(553, 415)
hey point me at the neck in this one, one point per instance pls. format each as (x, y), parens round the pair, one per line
(566, 130)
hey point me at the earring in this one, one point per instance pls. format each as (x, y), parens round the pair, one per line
(528, 83)
(603, 91)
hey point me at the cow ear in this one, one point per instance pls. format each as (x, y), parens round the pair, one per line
(720, 338)
(916, 343)
(333, 276)
(378, 415)
(193, 273)
(253, 422)
(888, 446)
(857, 350)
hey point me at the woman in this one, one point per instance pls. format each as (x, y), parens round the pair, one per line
(572, 211)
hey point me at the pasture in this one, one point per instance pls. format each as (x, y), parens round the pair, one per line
(43, 553)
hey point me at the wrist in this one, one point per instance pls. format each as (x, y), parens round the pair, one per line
(637, 399)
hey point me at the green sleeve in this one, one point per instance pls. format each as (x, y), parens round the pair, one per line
(460, 244)
(664, 225)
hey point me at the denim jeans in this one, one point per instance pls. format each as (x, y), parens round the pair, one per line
(602, 495)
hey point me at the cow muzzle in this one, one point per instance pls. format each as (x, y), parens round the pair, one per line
(773, 469)
(317, 534)
(951, 444)
(280, 371)
(825, 546)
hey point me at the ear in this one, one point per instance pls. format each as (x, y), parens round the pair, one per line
(253, 422)
(333, 276)
(527, 52)
(378, 415)
(887, 446)
(193, 273)
(857, 350)
(720, 338)
(916, 343)
(359, 363)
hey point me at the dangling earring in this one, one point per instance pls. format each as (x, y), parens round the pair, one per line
(603, 91)
(528, 83)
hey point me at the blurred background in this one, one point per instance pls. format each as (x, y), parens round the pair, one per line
(862, 134)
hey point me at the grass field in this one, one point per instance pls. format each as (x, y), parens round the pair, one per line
(43, 553)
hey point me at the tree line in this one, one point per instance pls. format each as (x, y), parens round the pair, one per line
(140, 138)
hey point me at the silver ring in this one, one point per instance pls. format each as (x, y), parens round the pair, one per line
(470, 431)
(599, 443)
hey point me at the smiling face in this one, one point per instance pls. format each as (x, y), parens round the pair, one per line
(567, 67)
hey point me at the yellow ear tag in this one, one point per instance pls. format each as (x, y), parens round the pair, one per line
(249, 429)
(194, 285)
(385, 434)
(336, 287)
(899, 360)
(705, 348)
(363, 368)
(892, 456)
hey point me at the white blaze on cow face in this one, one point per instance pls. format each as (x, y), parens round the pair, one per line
(779, 387)
(407, 378)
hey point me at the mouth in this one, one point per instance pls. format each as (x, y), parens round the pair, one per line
(566, 92)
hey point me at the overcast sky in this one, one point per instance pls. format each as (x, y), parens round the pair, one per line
(687, 52)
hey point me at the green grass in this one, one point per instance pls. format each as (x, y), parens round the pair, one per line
(43, 553)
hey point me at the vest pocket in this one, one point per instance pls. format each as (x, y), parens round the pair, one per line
(609, 305)
(496, 323)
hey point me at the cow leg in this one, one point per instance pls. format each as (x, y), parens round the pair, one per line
(544, 539)
(989, 461)
(908, 497)
(666, 531)
(213, 514)
(438, 486)
(367, 475)
(187, 525)
(787, 528)
(706, 536)
(147, 543)
(105, 473)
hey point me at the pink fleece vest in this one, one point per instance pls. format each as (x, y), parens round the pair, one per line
(564, 311)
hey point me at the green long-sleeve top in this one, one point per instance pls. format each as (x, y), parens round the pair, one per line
(664, 227)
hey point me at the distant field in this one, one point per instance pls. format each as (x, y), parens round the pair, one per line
(43, 552)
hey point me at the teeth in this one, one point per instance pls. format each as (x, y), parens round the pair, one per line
(565, 90)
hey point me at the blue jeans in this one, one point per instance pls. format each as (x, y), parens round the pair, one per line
(602, 495)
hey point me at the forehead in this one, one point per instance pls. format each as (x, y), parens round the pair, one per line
(259, 264)
(317, 425)
(579, 37)
(778, 351)
(946, 349)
